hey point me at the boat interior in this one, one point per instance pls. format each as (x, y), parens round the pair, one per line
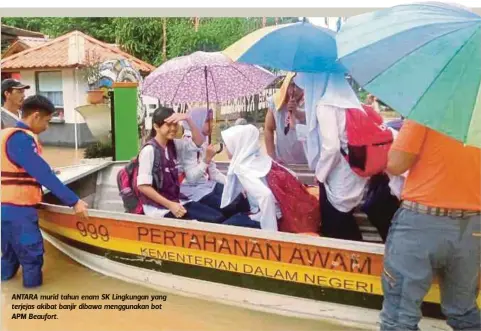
(97, 185)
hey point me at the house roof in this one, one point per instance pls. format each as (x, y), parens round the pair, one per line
(13, 31)
(68, 51)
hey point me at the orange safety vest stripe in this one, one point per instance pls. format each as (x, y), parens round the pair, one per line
(18, 187)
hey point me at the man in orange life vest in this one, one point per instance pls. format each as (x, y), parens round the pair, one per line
(23, 174)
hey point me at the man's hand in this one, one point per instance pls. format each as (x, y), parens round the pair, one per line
(177, 209)
(210, 152)
(80, 209)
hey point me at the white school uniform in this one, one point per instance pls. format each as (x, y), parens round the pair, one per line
(327, 97)
(146, 164)
(247, 171)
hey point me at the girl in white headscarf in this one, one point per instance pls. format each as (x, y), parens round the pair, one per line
(327, 96)
(279, 201)
(247, 171)
(202, 181)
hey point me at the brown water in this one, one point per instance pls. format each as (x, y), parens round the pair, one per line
(64, 276)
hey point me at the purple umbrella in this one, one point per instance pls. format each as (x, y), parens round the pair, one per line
(204, 77)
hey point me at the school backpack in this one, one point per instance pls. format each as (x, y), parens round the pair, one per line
(300, 209)
(369, 141)
(127, 181)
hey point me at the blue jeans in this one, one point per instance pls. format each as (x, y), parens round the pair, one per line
(419, 247)
(243, 220)
(22, 244)
(200, 212)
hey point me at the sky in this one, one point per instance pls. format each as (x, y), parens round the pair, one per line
(321, 22)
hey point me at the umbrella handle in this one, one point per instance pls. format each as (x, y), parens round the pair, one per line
(207, 95)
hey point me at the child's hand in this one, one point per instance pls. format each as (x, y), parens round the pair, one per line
(177, 117)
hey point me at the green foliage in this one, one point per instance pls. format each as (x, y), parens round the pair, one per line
(143, 36)
(99, 150)
(98, 27)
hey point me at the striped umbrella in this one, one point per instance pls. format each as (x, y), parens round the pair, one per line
(423, 60)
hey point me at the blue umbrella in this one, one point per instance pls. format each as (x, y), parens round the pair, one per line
(297, 47)
(423, 60)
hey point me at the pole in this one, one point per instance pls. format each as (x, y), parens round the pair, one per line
(76, 92)
(75, 111)
(207, 94)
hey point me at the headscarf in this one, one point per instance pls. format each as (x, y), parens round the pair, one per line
(330, 89)
(242, 141)
(199, 116)
(241, 121)
(280, 96)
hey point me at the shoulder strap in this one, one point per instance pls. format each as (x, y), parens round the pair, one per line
(156, 174)
(171, 144)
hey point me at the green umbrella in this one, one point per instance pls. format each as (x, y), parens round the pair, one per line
(423, 60)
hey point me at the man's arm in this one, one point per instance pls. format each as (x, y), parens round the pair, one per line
(20, 149)
(406, 148)
(399, 162)
(269, 129)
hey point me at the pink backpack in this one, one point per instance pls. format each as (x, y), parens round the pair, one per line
(369, 141)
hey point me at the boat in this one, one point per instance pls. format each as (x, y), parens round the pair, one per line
(289, 274)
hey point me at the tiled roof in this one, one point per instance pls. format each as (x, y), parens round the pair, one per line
(69, 51)
(23, 43)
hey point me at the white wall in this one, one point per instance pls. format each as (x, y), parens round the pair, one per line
(71, 98)
(28, 78)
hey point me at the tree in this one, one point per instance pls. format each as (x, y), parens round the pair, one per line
(98, 27)
(153, 39)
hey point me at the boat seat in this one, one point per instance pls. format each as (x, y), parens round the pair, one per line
(107, 193)
(107, 196)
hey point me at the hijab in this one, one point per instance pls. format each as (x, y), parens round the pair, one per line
(199, 116)
(330, 89)
(242, 142)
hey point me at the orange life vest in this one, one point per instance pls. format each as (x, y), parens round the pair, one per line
(18, 187)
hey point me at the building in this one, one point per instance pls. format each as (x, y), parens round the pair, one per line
(10, 35)
(54, 68)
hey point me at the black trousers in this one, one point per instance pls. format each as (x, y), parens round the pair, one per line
(337, 224)
(380, 205)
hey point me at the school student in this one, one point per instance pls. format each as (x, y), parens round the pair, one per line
(277, 199)
(203, 182)
(327, 96)
(24, 172)
(168, 201)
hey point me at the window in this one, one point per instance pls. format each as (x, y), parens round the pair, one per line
(49, 84)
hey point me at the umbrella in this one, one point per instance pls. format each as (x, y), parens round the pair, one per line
(205, 77)
(423, 60)
(297, 47)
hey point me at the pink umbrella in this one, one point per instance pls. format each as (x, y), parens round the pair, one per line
(204, 77)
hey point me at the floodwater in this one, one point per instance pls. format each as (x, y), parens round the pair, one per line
(62, 275)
